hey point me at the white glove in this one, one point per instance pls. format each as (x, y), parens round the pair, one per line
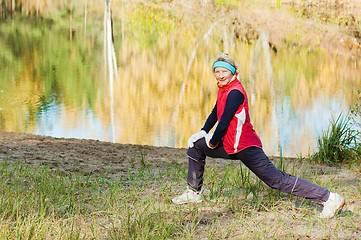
(195, 137)
(208, 138)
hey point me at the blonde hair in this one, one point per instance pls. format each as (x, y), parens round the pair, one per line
(222, 56)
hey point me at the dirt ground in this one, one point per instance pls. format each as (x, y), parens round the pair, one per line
(76, 155)
(93, 157)
(90, 157)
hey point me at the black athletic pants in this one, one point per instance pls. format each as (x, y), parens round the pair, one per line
(257, 161)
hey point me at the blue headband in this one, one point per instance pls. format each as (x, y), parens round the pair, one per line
(225, 65)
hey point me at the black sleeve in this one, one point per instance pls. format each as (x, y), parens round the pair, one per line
(234, 99)
(211, 120)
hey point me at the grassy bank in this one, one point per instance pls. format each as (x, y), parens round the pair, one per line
(340, 143)
(40, 203)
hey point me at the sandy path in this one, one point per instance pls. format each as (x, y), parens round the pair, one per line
(87, 156)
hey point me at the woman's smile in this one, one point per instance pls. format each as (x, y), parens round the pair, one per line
(223, 75)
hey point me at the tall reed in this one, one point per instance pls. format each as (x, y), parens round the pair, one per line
(339, 144)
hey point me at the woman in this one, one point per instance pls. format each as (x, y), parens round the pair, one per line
(235, 138)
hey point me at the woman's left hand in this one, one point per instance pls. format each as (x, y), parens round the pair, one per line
(208, 138)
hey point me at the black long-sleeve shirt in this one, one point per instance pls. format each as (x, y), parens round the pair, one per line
(234, 99)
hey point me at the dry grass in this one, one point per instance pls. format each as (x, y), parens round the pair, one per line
(42, 203)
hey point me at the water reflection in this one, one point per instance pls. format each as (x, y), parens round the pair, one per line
(53, 86)
(110, 60)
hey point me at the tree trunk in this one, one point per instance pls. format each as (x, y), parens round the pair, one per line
(6, 8)
(37, 7)
(3, 10)
(71, 23)
(10, 7)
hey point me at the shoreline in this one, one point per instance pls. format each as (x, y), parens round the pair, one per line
(93, 157)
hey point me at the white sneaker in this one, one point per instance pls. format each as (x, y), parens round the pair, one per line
(334, 203)
(189, 196)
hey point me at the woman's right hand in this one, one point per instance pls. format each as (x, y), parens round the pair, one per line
(195, 137)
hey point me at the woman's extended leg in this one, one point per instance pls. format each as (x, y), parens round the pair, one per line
(257, 161)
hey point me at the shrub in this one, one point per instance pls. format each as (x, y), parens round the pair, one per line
(339, 144)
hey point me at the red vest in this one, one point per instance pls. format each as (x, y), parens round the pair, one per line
(240, 133)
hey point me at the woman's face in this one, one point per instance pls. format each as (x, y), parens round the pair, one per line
(223, 75)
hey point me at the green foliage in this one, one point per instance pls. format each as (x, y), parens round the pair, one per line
(10, 57)
(45, 49)
(278, 4)
(339, 144)
(144, 224)
(41, 192)
(148, 23)
(216, 184)
(228, 2)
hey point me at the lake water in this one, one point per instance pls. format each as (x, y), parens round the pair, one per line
(55, 80)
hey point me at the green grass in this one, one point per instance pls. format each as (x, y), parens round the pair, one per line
(41, 203)
(340, 143)
(228, 2)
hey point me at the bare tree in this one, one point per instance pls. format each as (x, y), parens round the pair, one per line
(110, 60)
